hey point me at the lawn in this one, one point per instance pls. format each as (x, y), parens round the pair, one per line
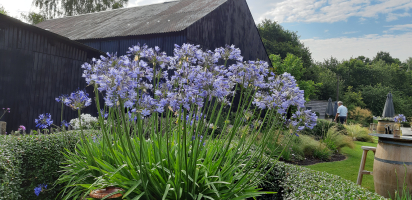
(348, 169)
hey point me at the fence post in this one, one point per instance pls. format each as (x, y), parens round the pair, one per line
(38, 131)
(31, 132)
(51, 130)
(3, 127)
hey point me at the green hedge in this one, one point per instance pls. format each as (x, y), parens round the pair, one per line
(27, 161)
(298, 182)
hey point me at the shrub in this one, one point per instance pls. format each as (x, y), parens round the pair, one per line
(312, 147)
(296, 182)
(322, 127)
(304, 183)
(362, 116)
(27, 161)
(358, 133)
(335, 140)
(273, 181)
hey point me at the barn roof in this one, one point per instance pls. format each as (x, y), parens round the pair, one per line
(4, 19)
(156, 18)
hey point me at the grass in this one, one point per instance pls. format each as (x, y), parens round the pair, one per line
(349, 168)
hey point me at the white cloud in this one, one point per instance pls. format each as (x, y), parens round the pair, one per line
(334, 10)
(368, 45)
(350, 32)
(400, 27)
(326, 31)
(393, 16)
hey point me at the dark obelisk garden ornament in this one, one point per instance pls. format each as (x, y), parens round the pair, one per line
(388, 110)
(329, 109)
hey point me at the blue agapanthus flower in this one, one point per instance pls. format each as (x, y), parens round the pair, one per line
(62, 98)
(39, 189)
(104, 114)
(44, 121)
(78, 100)
(65, 123)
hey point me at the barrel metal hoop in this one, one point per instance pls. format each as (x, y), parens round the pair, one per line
(393, 162)
(396, 143)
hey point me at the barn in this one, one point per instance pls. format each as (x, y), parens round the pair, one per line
(209, 23)
(36, 66)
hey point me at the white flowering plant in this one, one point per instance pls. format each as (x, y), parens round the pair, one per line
(88, 122)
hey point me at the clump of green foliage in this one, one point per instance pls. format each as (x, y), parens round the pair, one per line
(357, 132)
(29, 160)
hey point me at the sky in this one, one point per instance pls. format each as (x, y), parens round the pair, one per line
(329, 28)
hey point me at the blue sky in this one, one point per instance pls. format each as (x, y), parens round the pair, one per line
(338, 28)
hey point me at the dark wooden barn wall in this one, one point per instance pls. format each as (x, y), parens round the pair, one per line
(34, 69)
(230, 23)
(165, 41)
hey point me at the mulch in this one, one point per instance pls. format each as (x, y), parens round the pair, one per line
(312, 161)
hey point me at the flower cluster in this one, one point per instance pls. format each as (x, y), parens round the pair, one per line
(400, 118)
(44, 121)
(65, 123)
(282, 93)
(21, 128)
(39, 189)
(62, 98)
(88, 121)
(302, 119)
(78, 100)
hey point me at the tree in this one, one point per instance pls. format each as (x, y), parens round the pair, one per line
(3, 10)
(408, 64)
(353, 99)
(385, 56)
(279, 41)
(294, 65)
(33, 18)
(56, 8)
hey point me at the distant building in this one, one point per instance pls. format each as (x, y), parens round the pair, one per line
(36, 66)
(209, 23)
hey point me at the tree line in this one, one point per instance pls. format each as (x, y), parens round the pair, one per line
(363, 82)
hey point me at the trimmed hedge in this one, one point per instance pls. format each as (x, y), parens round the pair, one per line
(29, 160)
(298, 182)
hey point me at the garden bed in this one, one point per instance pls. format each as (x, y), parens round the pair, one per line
(313, 160)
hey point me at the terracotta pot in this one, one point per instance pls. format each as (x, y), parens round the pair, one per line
(100, 194)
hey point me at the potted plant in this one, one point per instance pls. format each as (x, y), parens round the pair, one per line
(3, 123)
(398, 119)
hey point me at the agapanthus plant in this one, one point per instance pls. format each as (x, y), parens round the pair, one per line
(157, 144)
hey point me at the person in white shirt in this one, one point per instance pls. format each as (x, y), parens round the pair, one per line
(342, 113)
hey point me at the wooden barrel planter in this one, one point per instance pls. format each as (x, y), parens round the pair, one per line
(380, 129)
(392, 155)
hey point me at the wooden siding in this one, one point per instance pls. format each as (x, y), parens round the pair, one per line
(120, 45)
(231, 23)
(35, 68)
